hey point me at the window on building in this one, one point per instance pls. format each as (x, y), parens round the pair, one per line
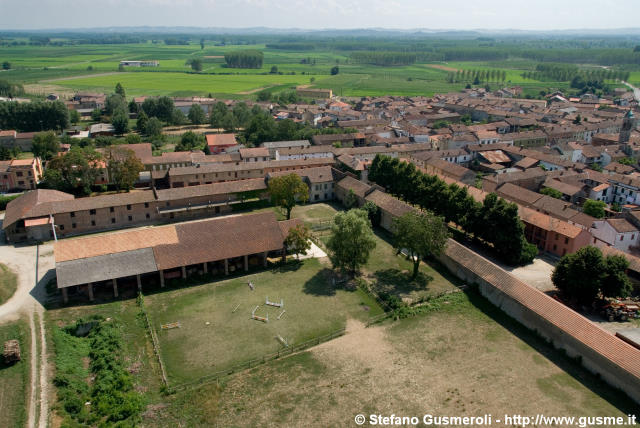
(566, 240)
(93, 222)
(72, 214)
(130, 218)
(148, 216)
(113, 220)
(92, 212)
(146, 204)
(62, 227)
(111, 209)
(557, 236)
(622, 237)
(168, 204)
(128, 207)
(19, 173)
(73, 225)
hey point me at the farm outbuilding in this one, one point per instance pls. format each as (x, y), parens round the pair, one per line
(215, 246)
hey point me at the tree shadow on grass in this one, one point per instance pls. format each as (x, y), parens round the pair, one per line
(321, 284)
(397, 282)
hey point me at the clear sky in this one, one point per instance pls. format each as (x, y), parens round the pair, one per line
(318, 14)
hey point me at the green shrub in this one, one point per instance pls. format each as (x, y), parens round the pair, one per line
(4, 200)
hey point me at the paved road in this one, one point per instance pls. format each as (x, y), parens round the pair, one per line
(34, 266)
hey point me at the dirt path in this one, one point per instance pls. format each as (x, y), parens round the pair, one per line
(442, 67)
(253, 91)
(33, 265)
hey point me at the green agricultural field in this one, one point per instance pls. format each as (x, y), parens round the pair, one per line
(212, 337)
(177, 84)
(14, 378)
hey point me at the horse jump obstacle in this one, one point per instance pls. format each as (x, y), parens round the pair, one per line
(277, 305)
(282, 341)
(170, 325)
(281, 313)
(258, 318)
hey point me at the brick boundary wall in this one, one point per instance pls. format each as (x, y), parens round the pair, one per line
(501, 289)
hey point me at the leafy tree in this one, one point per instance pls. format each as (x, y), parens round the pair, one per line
(298, 240)
(351, 241)
(196, 115)
(615, 282)
(120, 122)
(196, 64)
(45, 145)
(133, 139)
(551, 192)
(141, 122)
(190, 141)
(241, 113)
(177, 117)
(229, 122)
(74, 116)
(119, 90)
(133, 106)
(153, 127)
(218, 112)
(274, 70)
(113, 103)
(201, 44)
(34, 116)
(627, 161)
(335, 70)
(350, 200)
(75, 171)
(124, 167)
(96, 115)
(6, 65)
(373, 212)
(287, 190)
(594, 208)
(263, 95)
(244, 59)
(422, 234)
(585, 273)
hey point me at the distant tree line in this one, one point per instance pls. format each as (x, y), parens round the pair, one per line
(495, 221)
(244, 59)
(292, 46)
(567, 72)
(11, 90)
(477, 76)
(33, 116)
(384, 58)
(176, 41)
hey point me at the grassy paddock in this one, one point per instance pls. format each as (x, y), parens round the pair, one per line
(14, 379)
(464, 359)
(8, 283)
(313, 308)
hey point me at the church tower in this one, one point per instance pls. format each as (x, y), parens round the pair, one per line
(627, 126)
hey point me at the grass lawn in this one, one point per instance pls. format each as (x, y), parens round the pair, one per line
(8, 283)
(14, 379)
(465, 359)
(313, 308)
(391, 273)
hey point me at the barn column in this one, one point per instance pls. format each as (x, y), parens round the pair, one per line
(161, 278)
(184, 272)
(139, 283)
(205, 267)
(264, 259)
(90, 288)
(246, 263)
(226, 266)
(65, 297)
(115, 287)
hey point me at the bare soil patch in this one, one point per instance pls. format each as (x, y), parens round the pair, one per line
(442, 67)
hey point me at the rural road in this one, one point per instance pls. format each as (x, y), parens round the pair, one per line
(636, 91)
(32, 264)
